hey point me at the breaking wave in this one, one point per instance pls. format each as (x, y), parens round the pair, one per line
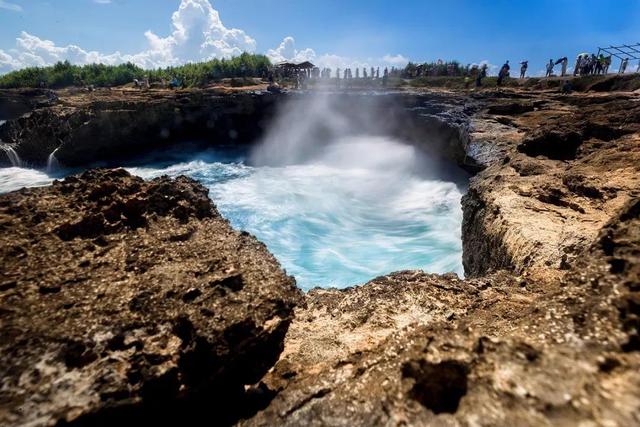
(357, 210)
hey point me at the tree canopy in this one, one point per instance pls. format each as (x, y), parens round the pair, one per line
(64, 74)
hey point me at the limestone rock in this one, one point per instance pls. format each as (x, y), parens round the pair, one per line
(130, 301)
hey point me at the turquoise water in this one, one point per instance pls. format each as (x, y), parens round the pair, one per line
(330, 224)
(336, 203)
(353, 213)
(355, 209)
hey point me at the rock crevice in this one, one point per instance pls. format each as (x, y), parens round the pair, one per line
(150, 307)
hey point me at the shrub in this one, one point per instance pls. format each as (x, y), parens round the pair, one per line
(64, 74)
(436, 69)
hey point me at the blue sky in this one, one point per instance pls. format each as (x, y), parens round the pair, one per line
(329, 32)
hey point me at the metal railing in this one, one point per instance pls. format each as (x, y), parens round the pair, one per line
(622, 52)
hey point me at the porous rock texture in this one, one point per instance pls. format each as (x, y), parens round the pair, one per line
(543, 332)
(124, 301)
(554, 177)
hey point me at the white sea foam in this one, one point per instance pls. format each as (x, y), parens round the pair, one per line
(14, 178)
(354, 211)
(337, 203)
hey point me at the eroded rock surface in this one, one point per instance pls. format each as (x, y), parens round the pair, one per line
(545, 330)
(126, 301)
(553, 178)
(501, 350)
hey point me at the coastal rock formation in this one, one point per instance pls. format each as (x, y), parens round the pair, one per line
(545, 330)
(502, 350)
(86, 128)
(553, 178)
(542, 331)
(15, 103)
(125, 301)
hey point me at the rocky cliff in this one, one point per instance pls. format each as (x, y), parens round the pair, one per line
(85, 128)
(82, 129)
(543, 331)
(127, 301)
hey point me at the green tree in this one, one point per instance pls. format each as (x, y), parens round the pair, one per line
(64, 74)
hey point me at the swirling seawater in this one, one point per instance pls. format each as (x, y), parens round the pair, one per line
(359, 209)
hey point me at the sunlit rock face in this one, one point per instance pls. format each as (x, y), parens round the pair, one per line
(544, 328)
(132, 302)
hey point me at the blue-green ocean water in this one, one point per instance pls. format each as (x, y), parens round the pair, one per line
(358, 208)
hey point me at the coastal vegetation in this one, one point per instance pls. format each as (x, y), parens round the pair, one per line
(65, 74)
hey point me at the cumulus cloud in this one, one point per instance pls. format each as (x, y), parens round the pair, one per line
(397, 60)
(10, 6)
(33, 51)
(287, 51)
(197, 34)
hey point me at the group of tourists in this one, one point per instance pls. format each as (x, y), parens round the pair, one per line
(347, 73)
(586, 64)
(591, 64)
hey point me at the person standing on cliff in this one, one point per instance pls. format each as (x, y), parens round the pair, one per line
(504, 72)
(550, 66)
(482, 73)
(578, 65)
(607, 64)
(523, 68)
(565, 62)
(623, 66)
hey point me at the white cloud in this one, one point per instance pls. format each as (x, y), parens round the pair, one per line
(287, 51)
(397, 60)
(7, 62)
(197, 34)
(33, 51)
(10, 6)
(102, 1)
